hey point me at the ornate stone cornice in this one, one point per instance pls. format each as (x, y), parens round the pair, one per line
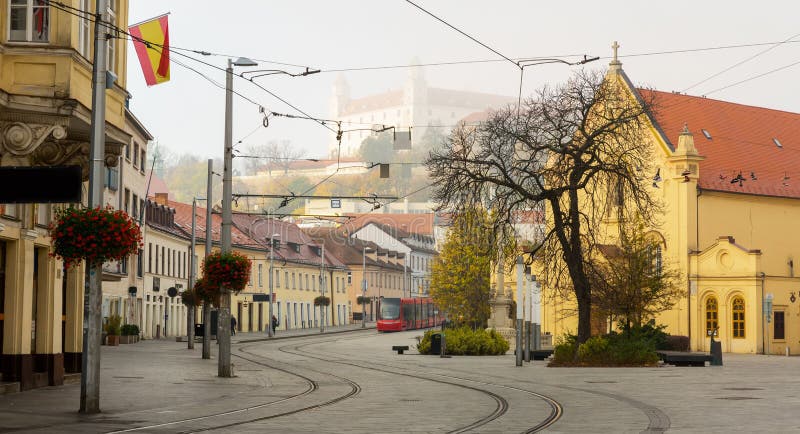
(21, 139)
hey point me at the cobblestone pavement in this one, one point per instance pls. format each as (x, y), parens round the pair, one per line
(352, 382)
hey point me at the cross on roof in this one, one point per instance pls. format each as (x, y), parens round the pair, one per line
(615, 46)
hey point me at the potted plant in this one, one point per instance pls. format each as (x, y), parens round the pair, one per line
(130, 334)
(113, 330)
(96, 235)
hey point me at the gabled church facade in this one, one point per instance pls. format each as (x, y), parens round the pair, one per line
(729, 179)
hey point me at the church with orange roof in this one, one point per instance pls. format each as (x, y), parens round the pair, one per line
(729, 177)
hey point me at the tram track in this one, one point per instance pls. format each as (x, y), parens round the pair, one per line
(556, 410)
(313, 386)
(501, 404)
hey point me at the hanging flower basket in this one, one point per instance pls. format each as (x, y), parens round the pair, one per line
(188, 297)
(206, 293)
(363, 300)
(227, 270)
(322, 301)
(96, 235)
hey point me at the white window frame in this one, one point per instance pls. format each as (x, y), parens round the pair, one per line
(111, 46)
(29, 7)
(85, 31)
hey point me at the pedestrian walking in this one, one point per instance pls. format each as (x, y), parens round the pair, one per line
(233, 325)
(274, 323)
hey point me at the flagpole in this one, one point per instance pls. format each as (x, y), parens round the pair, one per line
(149, 19)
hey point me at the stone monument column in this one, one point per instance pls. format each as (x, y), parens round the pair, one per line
(500, 304)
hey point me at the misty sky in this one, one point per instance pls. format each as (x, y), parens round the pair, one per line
(186, 114)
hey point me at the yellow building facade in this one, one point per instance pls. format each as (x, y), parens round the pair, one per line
(725, 180)
(45, 111)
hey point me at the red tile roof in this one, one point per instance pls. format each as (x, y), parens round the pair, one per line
(291, 237)
(406, 224)
(183, 218)
(741, 141)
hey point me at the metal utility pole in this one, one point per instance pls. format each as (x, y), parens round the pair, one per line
(93, 289)
(271, 332)
(404, 277)
(526, 336)
(209, 235)
(536, 308)
(364, 290)
(192, 277)
(322, 289)
(519, 348)
(224, 311)
(225, 369)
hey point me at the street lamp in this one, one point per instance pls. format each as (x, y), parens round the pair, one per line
(271, 279)
(224, 333)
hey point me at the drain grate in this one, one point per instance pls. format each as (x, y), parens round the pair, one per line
(410, 400)
(742, 388)
(737, 398)
(601, 382)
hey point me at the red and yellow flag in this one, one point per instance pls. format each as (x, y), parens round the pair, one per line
(151, 41)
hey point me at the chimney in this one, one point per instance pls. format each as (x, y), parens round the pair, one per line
(162, 198)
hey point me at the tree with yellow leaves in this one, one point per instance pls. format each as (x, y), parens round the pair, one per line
(460, 274)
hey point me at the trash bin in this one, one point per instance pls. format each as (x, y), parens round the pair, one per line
(436, 343)
(199, 329)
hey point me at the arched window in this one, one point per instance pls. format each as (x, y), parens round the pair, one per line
(712, 315)
(738, 317)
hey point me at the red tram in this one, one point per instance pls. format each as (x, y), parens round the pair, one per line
(398, 314)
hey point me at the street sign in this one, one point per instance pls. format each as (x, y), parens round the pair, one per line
(43, 184)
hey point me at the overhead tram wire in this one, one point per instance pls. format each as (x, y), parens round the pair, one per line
(83, 14)
(741, 62)
(71, 10)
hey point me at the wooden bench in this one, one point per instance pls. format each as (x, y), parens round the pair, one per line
(682, 358)
(399, 348)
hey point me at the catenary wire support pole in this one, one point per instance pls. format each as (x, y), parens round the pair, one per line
(519, 348)
(364, 290)
(209, 225)
(93, 289)
(526, 337)
(536, 300)
(224, 310)
(192, 277)
(322, 290)
(225, 369)
(271, 327)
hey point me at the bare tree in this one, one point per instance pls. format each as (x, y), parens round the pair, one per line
(564, 149)
(282, 155)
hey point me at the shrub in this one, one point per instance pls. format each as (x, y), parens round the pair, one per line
(635, 347)
(113, 325)
(595, 351)
(564, 350)
(464, 341)
(129, 330)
